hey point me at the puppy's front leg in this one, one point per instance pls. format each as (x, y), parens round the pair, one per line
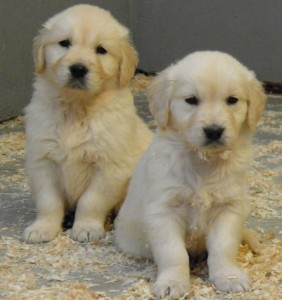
(93, 208)
(223, 242)
(49, 204)
(166, 238)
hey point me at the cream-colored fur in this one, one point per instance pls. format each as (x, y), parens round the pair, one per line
(189, 193)
(84, 137)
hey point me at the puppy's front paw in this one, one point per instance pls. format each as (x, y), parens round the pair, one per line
(86, 232)
(41, 231)
(232, 281)
(172, 283)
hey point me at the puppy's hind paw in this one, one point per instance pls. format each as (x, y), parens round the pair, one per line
(40, 231)
(83, 232)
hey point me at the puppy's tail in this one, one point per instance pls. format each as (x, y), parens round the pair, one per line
(249, 238)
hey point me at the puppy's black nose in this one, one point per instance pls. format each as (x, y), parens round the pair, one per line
(78, 70)
(214, 132)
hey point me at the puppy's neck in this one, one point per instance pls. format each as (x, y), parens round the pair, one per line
(223, 164)
(75, 103)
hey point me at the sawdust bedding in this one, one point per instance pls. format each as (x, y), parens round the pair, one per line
(64, 269)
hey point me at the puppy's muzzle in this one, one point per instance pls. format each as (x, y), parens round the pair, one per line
(78, 73)
(213, 134)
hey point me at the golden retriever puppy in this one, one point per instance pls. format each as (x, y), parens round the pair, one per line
(189, 189)
(84, 137)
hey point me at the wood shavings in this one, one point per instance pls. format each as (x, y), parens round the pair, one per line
(140, 82)
(10, 144)
(224, 155)
(12, 124)
(202, 156)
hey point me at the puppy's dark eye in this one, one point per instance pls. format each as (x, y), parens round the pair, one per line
(192, 100)
(231, 100)
(101, 50)
(65, 43)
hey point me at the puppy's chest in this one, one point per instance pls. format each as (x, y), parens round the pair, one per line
(73, 142)
(208, 186)
(199, 194)
(205, 197)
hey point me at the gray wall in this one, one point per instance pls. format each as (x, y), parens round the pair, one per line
(251, 30)
(163, 32)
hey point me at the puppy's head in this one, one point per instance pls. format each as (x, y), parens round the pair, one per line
(209, 98)
(85, 49)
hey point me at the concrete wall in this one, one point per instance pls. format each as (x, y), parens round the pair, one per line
(251, 30)
(163, 31)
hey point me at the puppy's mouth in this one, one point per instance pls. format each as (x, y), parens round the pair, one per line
(214, 144)
(77, 84)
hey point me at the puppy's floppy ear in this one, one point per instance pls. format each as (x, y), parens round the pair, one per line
(38, 51)
(129, 62)
(159, 98)
(256, 102)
